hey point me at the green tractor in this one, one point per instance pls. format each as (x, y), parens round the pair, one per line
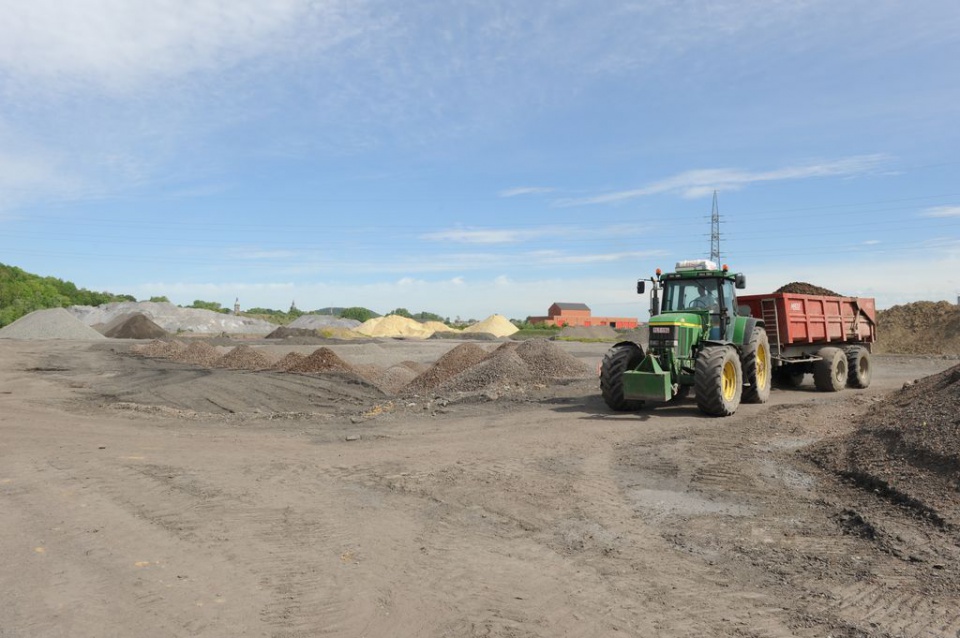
(697, 340)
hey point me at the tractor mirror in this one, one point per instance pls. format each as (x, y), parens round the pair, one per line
(640, 286)
(741, 281)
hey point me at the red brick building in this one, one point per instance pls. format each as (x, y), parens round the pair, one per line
(578, 314)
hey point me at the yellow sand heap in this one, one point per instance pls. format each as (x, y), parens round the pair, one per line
(497, 325)
(394, 326)
(438, 326)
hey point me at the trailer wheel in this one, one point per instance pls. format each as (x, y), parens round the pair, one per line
(858, 367)
(788, 376)
(619, 359)
(830, 373)
(718, 381)
(755, 362)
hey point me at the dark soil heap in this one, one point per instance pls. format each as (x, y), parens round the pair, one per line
(448, 366)
(907, 449)
(160, 349)
(284, 332)
(803, 288)
(244, 357)
(321, 360)
(199, 353)
(134, 326)
(289, 360)
(922, 327)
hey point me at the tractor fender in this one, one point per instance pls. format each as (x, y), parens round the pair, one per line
(629, 343)
(750, 324)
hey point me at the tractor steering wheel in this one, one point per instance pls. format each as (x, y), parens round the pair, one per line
(699, 303)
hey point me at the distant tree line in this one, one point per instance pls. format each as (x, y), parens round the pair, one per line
(22, 293)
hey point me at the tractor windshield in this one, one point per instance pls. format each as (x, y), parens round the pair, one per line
(691, 294)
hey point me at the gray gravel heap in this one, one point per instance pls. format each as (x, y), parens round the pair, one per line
(174, 319)
(316, 322)
(52, 323)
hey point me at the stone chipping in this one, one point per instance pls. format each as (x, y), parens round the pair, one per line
(243, 357)
(51, 323)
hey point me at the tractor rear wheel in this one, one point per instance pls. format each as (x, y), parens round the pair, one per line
(718, 381)
(858, 367)
(619, 359)
(755, 362)
(830, 373)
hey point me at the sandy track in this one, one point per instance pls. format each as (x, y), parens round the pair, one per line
(549, 516)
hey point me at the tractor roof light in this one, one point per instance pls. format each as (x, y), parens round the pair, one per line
(659, 272)
(726, 268)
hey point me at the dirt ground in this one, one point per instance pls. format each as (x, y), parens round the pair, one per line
(143, 497)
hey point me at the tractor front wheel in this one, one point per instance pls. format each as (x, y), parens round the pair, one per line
(755, 362)
(718, 381)
(619, 359)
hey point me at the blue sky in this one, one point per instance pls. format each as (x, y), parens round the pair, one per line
(468, 158)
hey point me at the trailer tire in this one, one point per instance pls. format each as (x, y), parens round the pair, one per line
(788, 376)
(830, 373)
(619, 359)
(718, 381)
(755, 362)
(858, 367)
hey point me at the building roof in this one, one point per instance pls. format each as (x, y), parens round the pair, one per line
(562, 305)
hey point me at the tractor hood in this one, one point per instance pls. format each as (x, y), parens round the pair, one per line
(686, 319)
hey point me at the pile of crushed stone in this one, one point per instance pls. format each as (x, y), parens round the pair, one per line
(589, 332)
(803, 288)
(906, 448)
(321, 360)
(244, 357)
(173, 318)
(517, 365)
(134, 325)
(452, 363)
(160, 349)
(921, 327)
(52, 323)
(497, 325)
(288, 361)
(199, 353)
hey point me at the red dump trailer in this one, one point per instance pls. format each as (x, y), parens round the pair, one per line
(829, 337)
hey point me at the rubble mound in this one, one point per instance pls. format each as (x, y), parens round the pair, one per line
(160, 349)
(244, 357)
(447, 366)
(321, 360)
(517, 365)
(199, 353)
(803, 288)
(288, 361)
(921, 327)
(135, 325)
(497, 325)
(906, 448)
(52, 323)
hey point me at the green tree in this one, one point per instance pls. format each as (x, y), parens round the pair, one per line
(160, 299)
(206, 305)
(359, 313)
(401, 312)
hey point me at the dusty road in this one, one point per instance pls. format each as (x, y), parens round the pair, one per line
(142, 498)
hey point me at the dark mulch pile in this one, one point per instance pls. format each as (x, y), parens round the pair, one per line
(803, 288)
(921, 327)
(133, 326)
(906, 449)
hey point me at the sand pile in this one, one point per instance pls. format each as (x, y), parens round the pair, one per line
(803, 288)
(321, 360)
(394, 326)
(439, 326)
(518, 365)
(52, 323)
(447, 366)
(133, 326)
(497, 325)
(907, 448)
(160, 349)
(244, 357)
(319, 322)
(922, 327)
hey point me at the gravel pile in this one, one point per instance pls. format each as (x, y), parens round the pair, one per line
(286, 332)
(922, 327)
(133, 326)
(803, 288)
(199, 353)
(321, 360)
(906, 448)
(244, 357)
(514, 365)
(52, 323)
(589, 332)
(447, 366)
(160, 349)
(288, 361)
(395, 378)
(173, 318)
(317, 322)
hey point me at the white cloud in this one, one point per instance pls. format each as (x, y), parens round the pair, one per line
(515, 235)
(941, 211)
(525, 190)
(602, 257)
(702, 183)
